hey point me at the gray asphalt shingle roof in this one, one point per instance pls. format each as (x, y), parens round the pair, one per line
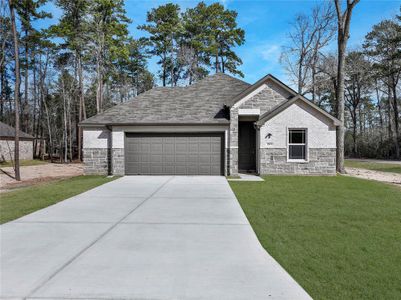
(200, 103)
(7, 131)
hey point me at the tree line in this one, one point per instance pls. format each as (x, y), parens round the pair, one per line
(52, 78)
(371, 74)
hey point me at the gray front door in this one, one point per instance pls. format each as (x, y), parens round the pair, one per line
(174, 154)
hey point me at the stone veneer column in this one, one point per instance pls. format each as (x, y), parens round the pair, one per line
(117, 152)
(233, 143)
(118, 161)
(96, 161)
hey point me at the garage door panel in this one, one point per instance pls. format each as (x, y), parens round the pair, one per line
(180, 170)
(204, 159)
(193, 148)
(169, 154)
(181, 147)
(180, 158)
(204, 169)
(168, 148)
(203, 147)
(214, 169)
(156, 169)
(156, 147)
(156, 158)
(169, 158)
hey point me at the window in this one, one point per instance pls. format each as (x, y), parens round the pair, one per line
(297, 144)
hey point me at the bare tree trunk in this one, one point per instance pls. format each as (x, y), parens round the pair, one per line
(24, 112)
(396, 121)
(3, 93)
(340, 107)
(16, 92)
(49, 131)
(82, 109)
(172, 62)
(344, 21)
(35, 95)
(65, 138)
(300, 81)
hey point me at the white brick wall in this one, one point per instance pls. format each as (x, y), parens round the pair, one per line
(96, 138)
(321, 132)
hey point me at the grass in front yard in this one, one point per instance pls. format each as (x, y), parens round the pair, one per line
(23, 163)
(375, 166)
(339, 237)
(24, 201)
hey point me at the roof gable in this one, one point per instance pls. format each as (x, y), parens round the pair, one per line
(267, 116)
(267, 80)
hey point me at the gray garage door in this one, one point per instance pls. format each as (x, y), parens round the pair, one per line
(174, 154)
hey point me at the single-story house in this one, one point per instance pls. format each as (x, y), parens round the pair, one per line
(7, 137)
(218, 126)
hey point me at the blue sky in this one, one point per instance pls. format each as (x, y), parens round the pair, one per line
(266, 24)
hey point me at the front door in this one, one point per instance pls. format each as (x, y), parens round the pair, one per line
(247, 147)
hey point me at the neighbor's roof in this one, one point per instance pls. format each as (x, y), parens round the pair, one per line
(200, 103)
(7, 131)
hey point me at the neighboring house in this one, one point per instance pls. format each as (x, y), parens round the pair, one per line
(7, 137)
(218, 126)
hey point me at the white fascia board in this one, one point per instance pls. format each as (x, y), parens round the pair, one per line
(249, 111)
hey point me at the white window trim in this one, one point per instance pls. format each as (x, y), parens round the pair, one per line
(306, 160)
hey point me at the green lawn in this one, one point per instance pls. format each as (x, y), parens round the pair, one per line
(384, 167)
(23, 163)
(21, 202)
(339, 237)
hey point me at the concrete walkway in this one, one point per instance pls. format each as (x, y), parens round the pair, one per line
(142, 238)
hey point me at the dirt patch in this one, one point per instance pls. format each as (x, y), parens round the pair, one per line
(31, 175)
(388, 177)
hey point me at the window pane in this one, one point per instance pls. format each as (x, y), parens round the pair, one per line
(297, 136)
(297, 152)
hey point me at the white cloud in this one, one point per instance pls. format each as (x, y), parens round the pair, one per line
(270, 52)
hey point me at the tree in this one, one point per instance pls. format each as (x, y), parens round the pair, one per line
(164, 26)
(311, 33)
(16, 90)
(6, 56)
(28, 11)
(187, 43)
(343, 28)
(383, 46)
(193, 48)
(109, 32)
(73, 29)
(357, 88)
(223, 36)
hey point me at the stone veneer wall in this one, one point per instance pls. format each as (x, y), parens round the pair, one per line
(118, 161)
(322, 161)
(232, 151)
(266, 100)
(96, 161)
(7, 150)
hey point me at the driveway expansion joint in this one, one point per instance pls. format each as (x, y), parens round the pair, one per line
(199, 245)
(58, 270)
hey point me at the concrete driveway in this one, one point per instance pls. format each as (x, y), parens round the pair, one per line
(144, 237)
